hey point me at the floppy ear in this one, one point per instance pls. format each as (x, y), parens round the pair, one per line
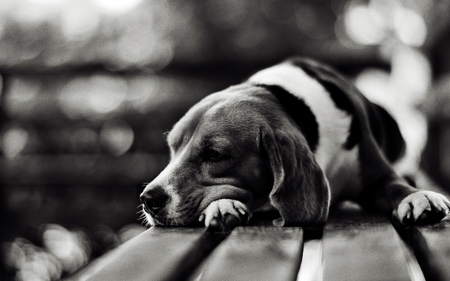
(300, 189)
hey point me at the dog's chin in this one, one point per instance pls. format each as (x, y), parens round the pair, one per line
(167, 221)
(148, 220)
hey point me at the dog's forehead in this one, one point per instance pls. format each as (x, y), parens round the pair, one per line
(236, 114)
(231, 112)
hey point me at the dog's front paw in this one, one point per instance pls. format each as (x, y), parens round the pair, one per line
(422, 207)
(225, 214)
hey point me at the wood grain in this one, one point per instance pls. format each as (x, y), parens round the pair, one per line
(432, 248)
(158, 254)
(366, 249)
(257, 253)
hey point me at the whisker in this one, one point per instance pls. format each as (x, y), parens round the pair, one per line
(142, 216)
(144, 222)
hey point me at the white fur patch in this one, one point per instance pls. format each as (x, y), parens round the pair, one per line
(149, 218)
(174, 202)
(334, 124)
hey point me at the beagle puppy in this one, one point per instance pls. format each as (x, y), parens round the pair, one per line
(297, 137)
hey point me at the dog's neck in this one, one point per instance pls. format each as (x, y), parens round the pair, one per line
(330, 120)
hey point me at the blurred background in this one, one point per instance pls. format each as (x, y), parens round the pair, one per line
(88, 88)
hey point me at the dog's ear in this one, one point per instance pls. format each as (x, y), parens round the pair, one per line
(300, 189)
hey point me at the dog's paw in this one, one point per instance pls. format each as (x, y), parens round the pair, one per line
(225, 214)
(422, 207)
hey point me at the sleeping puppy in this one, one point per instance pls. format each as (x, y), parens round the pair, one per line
(297, 137)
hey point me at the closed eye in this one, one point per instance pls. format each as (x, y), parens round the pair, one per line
(212, 155)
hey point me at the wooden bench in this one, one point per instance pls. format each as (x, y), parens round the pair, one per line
(352, 246)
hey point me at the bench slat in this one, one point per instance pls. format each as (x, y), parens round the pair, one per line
(366, 250)
(432, 248)
(158, 254)
(257, 253)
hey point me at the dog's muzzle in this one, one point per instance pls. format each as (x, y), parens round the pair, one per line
(154, 200)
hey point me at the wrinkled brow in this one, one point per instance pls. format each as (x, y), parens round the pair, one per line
(216, 142)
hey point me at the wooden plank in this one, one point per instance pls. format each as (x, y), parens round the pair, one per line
(366, 249)
(311, 268)
(256, 253)
(157, 254)
(432, 247)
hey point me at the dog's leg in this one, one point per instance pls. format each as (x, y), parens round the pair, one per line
(225, 214)
(408, 205)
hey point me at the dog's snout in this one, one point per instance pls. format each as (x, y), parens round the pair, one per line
(154, 199)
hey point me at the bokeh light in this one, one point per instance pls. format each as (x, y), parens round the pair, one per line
(117, 136)
(31, 262)
(49, 2)
(24, 94)
(106, 94)
(14, 140)
(31, 13)
(62, 251)
(373, 23)
(69, 247)
(411, 71)
(93, 97)
(410, 27)
(362, 27)
(79, 22)
(407, 83)
(116, 7)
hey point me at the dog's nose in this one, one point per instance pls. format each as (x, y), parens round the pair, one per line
(154, 199)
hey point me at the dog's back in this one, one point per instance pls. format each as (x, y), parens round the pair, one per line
(325, 115)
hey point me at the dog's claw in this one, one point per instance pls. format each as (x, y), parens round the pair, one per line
(214, 224)
(225, 214)
(227, 223)
(422, 207)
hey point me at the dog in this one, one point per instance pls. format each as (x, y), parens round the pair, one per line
(297, 137)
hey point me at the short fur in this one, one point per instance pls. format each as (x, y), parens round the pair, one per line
(298, 136)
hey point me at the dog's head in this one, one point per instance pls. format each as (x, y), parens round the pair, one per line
(237, 144)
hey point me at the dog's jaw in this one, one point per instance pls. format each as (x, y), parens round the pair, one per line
(180, 220)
